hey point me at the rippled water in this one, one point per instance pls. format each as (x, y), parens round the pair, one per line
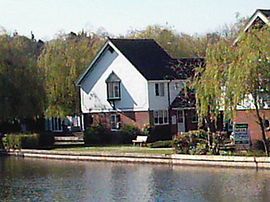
(53, 180)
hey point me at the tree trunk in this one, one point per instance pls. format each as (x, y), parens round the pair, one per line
(265, 144)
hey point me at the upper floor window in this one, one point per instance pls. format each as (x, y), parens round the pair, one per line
(159, 89)
(113, 87)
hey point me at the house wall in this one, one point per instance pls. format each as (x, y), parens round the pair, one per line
(249, 116)
(134, 91)
(162, 102)
(139, 119)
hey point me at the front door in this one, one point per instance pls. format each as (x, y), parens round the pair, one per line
(181, 121)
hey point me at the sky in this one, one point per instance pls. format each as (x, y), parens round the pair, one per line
(47, 18)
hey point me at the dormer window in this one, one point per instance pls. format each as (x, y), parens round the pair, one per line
(113, 87)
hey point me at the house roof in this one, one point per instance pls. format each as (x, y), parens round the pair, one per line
(259, 17)
(266, 12)
(152, 61)
(262, 14)
(185, 67)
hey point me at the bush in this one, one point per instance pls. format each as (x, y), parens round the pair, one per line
(46, 139)
(101, 135)
(258, 145)
(192, 142)
(162, 144)
(21, 141)
(96, 135)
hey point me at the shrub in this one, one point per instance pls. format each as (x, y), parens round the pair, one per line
(101, 135)
(192, 142)
(21, 141)
(97, 135)
(46, 139)
(258, 145)
(162, 144)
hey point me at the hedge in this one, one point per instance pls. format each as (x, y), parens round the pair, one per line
(28, 141)
(100, 135)
(161, 144)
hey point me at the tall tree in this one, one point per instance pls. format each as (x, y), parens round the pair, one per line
(235, 73)
(62, 61)
(18, 75)
(177, 45)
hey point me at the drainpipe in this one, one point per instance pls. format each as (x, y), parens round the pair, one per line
(169, 105)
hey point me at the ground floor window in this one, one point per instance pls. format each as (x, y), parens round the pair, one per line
(115, 122)
(161, 117)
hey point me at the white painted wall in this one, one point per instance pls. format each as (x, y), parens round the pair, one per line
(161, 102)
(134, 91)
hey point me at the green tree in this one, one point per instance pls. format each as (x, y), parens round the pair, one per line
(20, 81)
(235, 73)
(62, 61)
(177, 45)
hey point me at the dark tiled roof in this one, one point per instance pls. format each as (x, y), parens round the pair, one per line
(185, 67)
(147, 56)
(185, 99)
(266, 12)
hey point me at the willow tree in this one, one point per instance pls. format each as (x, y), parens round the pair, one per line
(62, 61)
(235, 73)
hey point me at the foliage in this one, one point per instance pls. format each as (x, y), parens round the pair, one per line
(46, 139)
(97, 135)
(130, 129)
(18, 75)
(62, 61)
(177, 45)
(192, 142)
(102, 135)
(234, 74)
(161, 144)
(21, 141)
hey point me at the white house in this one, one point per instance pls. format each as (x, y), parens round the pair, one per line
(131, 81)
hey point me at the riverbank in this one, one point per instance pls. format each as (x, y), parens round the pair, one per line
(171, 159)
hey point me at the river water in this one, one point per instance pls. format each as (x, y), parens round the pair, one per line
(24, 179)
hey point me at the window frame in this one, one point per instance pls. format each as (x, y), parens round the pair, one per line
(111, 90)
(115, 120)
(161, 117)
(160, 89)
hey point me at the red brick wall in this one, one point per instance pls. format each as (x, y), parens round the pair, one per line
(139, 119)
(249, 116)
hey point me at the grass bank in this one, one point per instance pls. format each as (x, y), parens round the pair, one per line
(118, 149)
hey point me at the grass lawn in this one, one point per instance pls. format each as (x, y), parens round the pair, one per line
(118, 149)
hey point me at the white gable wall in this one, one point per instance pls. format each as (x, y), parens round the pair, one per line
(134, 91)
(162, 102)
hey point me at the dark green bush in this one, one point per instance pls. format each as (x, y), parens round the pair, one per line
(21, 141)
(258, 145)
(162, 144)
(101, 135)
(97, 135)
(46, 139)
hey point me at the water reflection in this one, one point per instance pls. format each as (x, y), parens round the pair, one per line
(53, 180)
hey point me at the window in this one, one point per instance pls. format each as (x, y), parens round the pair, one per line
(113, 90)
(115, 122)
(180, 116)
(159, 89)
(161, 117)
(113, 87)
